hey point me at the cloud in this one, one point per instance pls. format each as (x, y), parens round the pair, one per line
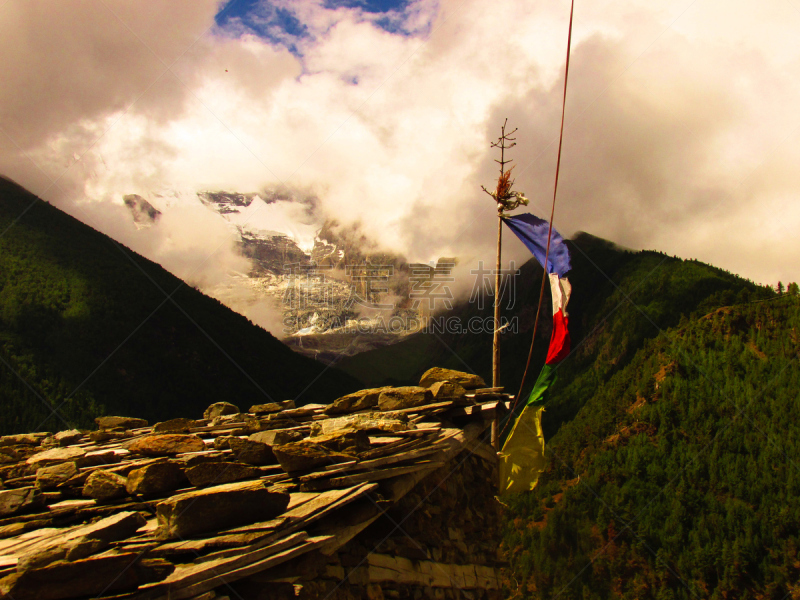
(681, 129)
(69, 63)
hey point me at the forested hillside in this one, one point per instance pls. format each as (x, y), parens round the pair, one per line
(88, 327)
(679, 476)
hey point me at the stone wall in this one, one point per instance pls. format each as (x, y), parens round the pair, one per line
(439, 541)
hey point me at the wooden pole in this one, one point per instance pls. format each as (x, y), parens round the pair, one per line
(506, 200)
(496, 339)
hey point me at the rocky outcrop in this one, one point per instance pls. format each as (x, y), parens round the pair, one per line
(144, 213)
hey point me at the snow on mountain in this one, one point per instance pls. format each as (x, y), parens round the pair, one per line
(326, 290)
(253, 214)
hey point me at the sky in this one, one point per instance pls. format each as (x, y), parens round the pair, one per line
(682, 129)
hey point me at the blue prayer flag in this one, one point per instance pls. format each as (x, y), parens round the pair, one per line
(533, 233)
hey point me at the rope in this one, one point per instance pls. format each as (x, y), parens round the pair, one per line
(552, 214)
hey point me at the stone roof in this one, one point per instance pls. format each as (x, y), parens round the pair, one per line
(185, 508)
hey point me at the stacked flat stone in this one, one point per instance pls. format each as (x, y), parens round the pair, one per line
(278, 501)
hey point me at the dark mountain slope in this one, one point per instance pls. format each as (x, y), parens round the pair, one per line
(620, 299)
(679, 477)
(86, 326)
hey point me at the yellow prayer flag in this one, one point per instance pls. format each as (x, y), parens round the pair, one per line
(522, 457)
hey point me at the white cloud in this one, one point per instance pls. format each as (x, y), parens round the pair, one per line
(681, 123)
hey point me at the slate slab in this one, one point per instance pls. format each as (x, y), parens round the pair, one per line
(271, 407)
(65, 438)
(81, 542)
(263, 409)
(179, 425)
(251, 452)
(52, 476)
(88, 577)
(18, 499)
(354, 402)
(120, 423)
(219, 409)
(466, 380)
(216, 473)
(276, 437)
(305, 455)
(154, 479)
(167, 444)
(404, 397)
(30, 439)
(361, 422)
(447, 390)
(103, 486)
(218, 507)
(56, 455)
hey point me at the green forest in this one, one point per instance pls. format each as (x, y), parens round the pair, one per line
(88, 327)
(679, 476)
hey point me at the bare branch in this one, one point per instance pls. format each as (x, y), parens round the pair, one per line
(504, 196)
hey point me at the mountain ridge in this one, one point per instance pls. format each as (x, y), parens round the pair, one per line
(91, 326)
